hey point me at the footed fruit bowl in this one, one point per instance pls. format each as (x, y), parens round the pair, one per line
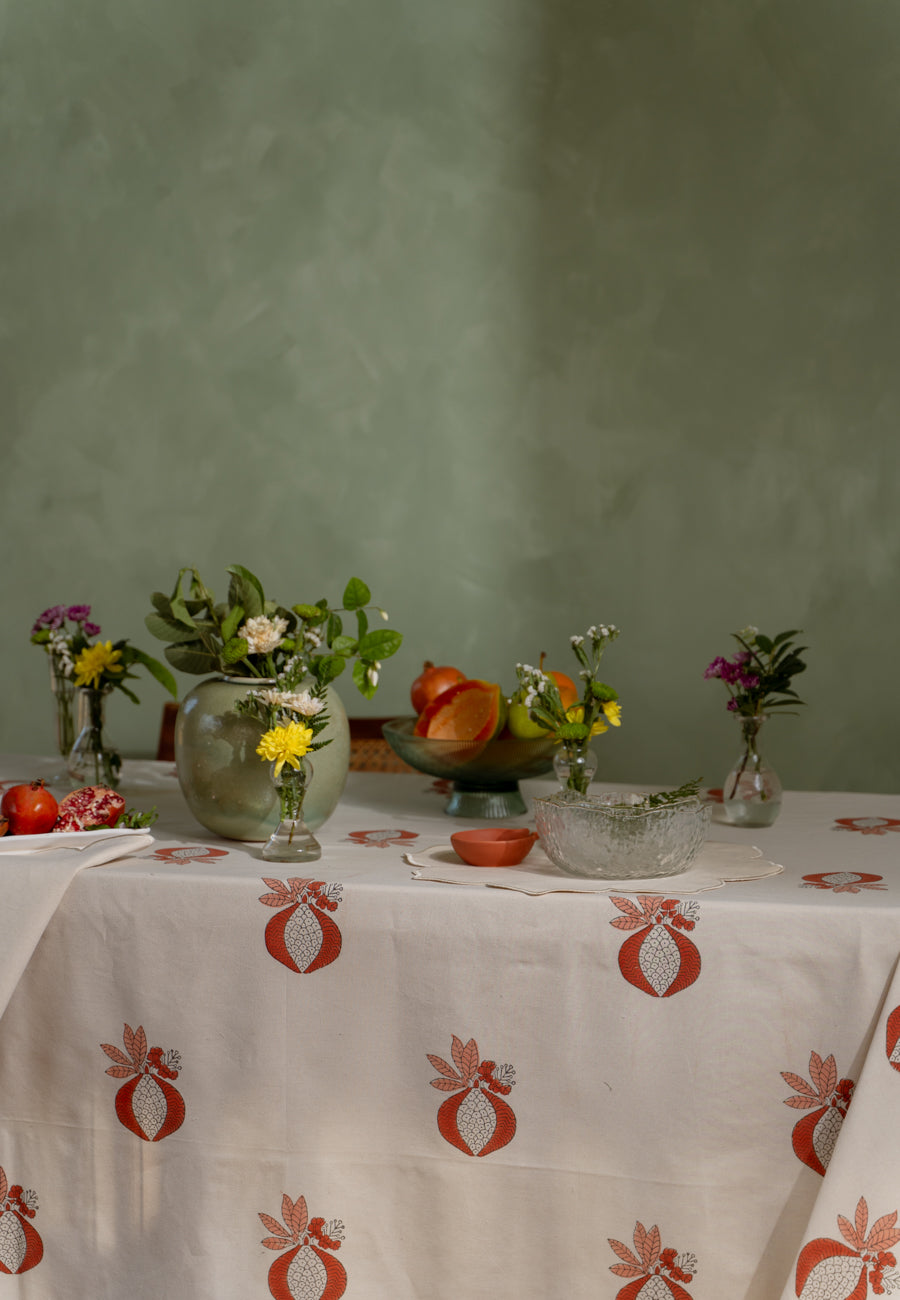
(485, 774)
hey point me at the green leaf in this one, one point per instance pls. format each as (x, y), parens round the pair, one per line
(234, 650)
(356, 594)
(328, 667)
(785, 636)
(362, 623)
(161, 603)
(167, 629)
(361, 679)
(764, 643)
(380, 644)
(310, 613)
(157, 670)
(246, 589)
(125, 691)
(232, 622)
(192, 658)
(335, 628)
(344, 645)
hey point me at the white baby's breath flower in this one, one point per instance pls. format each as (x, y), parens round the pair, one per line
(311, 638)
(263, 634)
(301, 702)
(577, 640)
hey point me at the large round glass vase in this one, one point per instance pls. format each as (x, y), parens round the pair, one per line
(226, 784)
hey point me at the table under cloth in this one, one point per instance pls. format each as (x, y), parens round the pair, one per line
(216, 1074)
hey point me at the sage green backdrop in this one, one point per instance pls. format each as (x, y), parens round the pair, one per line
(530, 314)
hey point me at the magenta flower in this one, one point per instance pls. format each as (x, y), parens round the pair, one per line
(78, 613)
(91, 629)
(52, 618)
(715, 668)
(749, 680)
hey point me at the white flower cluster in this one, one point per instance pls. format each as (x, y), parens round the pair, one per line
(373, 671)
(263, 634)
(59, 649)
(302, 702)
(601, 632)
(311, 638)
(533, 683)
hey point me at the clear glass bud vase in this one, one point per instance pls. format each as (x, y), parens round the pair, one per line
(292, 840)
(63, 689)
(575, 764)
(751, 795)
(93, 760)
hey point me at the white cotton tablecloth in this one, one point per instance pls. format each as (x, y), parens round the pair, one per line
(636, 1045)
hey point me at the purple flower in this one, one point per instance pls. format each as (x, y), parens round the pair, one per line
(78, 613)
(732, 705)
(91, 629)
(53, 618)
(730, 673)
(749, 680)
(715, 668)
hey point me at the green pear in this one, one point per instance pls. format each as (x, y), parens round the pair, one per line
(520, 723)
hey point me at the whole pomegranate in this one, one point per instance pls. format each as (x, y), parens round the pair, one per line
(29, 809)
(431, 682)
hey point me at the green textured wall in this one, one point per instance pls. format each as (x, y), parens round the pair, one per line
(531, 315)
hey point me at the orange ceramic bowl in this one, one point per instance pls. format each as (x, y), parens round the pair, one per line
(500, 847)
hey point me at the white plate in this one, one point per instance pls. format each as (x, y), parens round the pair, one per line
(64, 839)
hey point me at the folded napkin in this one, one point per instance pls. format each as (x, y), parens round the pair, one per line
(32, 885)
(718, 863)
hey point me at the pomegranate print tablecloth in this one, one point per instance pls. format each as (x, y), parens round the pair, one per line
(425, 1090)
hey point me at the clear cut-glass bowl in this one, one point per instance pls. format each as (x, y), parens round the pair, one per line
(485, 775)
(615, 836)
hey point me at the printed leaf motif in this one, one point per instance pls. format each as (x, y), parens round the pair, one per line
(119, 1057)
(456, 1051)
(799, 1085)
(448, 1085)
(442, 1067)
(4, 1185)
(803, 1103)
(469, 1059)
(653, 1244)
(628, 1270)
(136, 1044)
(884, 1234)
(274, 1226)
(120, 1071)
(640, 1241)
(623, 1252)
(628, 923)
(849, 1233)
(823, 1073)
(625, 905)
(299, 1216)
(862, 1218)
(275, 1243)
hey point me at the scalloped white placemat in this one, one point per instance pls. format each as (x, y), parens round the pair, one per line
(718, 863)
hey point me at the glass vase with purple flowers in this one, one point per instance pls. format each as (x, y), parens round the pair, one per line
(62, 643)
(758, 679)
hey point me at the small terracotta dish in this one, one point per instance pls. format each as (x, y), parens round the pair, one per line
(500, 847)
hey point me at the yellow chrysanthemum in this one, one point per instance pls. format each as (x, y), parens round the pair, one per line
(613, 711)
(94, 661)
(285, 744)
(576, 714)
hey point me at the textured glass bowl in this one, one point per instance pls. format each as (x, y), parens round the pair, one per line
(612, 837)
(485, 776)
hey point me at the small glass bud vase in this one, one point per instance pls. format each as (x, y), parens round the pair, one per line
(93, 760)
(63, 689)
(292, 840)
(751, 795)
(575, 764)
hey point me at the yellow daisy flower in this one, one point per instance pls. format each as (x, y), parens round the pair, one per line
(613, 711)
(285, 744)
(94, 661)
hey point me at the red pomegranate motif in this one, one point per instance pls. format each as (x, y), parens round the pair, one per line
(303, 936)
(477, 1120)
(20, 1242)
(843, 882)
(658, 959)
(657, 1274)
(147, 1105)
(893, 1039)
(827, 1101)
(306, 1270)
(868, 825)
(842, 1270)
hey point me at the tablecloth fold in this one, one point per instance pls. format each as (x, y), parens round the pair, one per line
(32, 886)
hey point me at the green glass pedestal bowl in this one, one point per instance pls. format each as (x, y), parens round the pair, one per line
(485, 776)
